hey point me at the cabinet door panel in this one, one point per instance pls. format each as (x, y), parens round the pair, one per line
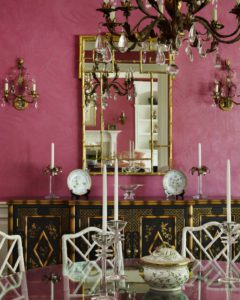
(42, 244)
(41, 228)
(157, 230)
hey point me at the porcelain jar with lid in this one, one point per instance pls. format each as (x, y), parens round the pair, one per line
(165, 269)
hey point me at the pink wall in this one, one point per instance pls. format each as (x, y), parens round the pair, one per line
(46, 33)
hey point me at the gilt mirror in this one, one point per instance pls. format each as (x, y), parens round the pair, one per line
(126, 110)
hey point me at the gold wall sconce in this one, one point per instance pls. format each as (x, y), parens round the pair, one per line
(20, 89)
(122, 118)
(224, 88)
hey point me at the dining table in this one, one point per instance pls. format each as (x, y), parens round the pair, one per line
(207, 280)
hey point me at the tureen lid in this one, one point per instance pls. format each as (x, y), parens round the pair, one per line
(165, 256)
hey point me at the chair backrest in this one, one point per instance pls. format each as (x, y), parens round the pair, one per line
(10, 264)
(78, 247)
(16, 284)
(204, 242)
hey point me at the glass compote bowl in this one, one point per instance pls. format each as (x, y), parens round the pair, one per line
(129, 190)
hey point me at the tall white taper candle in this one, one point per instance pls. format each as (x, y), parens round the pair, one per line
(229, 213)
(116, 190)
(199, 155)
(52, 155)
(104, 199)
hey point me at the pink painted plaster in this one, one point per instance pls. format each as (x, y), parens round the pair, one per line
(46, 33)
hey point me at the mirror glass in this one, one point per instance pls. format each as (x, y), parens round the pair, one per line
(127, 110)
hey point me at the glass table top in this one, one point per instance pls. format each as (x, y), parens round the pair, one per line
(52, 283)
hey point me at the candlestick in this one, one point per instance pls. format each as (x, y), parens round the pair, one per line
(52, 155)
(116, 190)
(104, 199)
(199, 155)
(229, 217)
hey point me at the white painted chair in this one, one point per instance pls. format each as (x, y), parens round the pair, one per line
(204, 238)
(13, 243)
(16, 284)
(77, 251)
(70, 248)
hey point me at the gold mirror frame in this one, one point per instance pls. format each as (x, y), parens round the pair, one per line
(151, 71)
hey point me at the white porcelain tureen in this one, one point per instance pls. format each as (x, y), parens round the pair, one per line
(165, 269)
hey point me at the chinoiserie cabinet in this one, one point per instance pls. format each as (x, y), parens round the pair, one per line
(41, 223)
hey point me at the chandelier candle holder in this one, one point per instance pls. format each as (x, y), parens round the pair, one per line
(117, 226)
(20, 89)
(104, 240)
(231, 230)
(132, 23)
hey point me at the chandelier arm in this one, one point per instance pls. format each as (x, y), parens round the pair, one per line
(140, 21)
(146, 31)
(196, 7)
(155, 6)
(96, 85)
(142, 8)
(218, 36)
(121, 90)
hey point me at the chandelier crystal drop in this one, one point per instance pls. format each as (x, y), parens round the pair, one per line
(170, 23)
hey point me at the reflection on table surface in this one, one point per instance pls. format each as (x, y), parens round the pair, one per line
(81, 281)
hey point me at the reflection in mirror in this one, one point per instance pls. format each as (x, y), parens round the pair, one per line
(126, 111)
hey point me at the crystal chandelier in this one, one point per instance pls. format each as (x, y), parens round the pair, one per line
(19, 88)
(224, 87)
(108, 81)
(169, 22)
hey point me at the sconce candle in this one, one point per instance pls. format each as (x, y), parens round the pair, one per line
(116, 190)
(52, 155)
(229, 213)
(216, 86)
(104, 199)
(6, 85)
(214, 15)
(34, 86)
